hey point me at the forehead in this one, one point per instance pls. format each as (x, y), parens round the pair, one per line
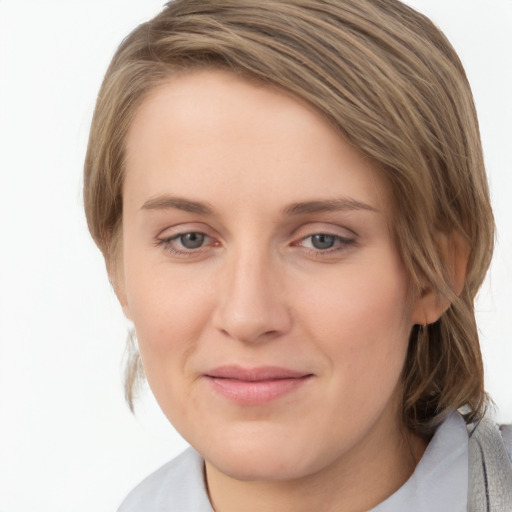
(207, 130)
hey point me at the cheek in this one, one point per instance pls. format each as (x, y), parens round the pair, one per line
(169, 323)
(169, 311)
(361, 322)
(358, 300)
(165, 317)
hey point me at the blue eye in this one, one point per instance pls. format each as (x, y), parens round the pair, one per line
(326, 244)
(186, 244)
(322, 241)
(191, 240)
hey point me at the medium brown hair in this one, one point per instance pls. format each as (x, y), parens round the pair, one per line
(392, 86)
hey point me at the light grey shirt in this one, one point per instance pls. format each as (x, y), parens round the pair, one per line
(439, 482)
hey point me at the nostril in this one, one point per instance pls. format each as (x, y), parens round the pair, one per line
(249, 334)
(250, 307)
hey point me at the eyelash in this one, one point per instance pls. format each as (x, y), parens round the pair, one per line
(166, 243)
(341, 244)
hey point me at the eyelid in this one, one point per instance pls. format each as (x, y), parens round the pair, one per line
(167, 244)
(325, 228)
(168, 237)
(345, 239)
(338, 238)
(340, 248)
(168, 240)
(183, 228)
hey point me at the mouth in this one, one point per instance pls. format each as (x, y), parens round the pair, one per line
(255, 386)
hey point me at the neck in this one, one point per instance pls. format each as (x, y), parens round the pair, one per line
(357, 481)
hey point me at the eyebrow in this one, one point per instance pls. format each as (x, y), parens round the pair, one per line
(166, 202)
(330, 205)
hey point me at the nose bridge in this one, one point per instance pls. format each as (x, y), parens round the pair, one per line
(251, 304)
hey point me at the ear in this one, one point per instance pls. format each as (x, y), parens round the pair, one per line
(454, 251)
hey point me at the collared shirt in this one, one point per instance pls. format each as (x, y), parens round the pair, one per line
(439, 482)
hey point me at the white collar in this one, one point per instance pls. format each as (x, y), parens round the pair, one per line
(440, 480)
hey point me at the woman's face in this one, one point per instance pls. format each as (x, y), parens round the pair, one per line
(268, 297)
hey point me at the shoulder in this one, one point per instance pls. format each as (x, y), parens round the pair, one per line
(490, 470)
(506, 434)
(492, 439)
(176, 486)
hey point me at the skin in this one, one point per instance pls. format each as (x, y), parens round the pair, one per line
(258, 291)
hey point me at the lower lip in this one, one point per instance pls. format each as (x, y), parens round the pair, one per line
(256, 392)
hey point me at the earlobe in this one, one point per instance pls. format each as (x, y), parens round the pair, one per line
(428, 307)
(454, 252)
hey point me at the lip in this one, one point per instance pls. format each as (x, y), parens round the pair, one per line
(255, 386)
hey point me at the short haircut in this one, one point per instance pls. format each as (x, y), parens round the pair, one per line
(390, 83)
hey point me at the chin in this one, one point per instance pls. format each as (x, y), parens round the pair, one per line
(263, 459)
(252, 468)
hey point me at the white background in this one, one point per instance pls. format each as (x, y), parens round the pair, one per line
(67, 440)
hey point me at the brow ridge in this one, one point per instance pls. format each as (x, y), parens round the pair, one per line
(166, 202)
(329, 205)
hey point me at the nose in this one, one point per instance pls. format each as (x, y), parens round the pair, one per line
(251, 305)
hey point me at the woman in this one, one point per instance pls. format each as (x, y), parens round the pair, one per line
(293, 209)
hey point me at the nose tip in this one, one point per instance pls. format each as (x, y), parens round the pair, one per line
(249, 329)
(251, 306)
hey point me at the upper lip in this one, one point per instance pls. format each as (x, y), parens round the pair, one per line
(260, 373)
